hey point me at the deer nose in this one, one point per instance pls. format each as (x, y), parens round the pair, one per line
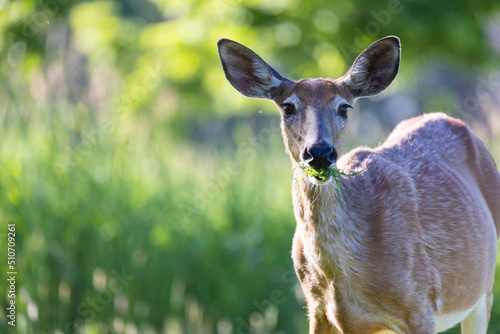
(321, 156)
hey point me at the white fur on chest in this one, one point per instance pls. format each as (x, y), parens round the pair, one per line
(332, 241)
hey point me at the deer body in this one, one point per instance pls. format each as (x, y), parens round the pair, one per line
(404, 244)
(412, 248)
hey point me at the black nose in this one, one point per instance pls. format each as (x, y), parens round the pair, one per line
(321, 156)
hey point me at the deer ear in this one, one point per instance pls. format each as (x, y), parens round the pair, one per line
(375, 68)
(247, 72)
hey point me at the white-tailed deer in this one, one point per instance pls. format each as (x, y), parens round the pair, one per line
(412, 246)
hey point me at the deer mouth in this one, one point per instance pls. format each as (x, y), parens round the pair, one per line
(323, 176)
(320, 176)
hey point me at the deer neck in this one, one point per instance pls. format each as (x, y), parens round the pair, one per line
(317, 206)
(330, 234)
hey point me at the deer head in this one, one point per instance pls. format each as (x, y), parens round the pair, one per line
(314, 112)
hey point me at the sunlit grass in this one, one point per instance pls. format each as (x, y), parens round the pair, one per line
(211, 227)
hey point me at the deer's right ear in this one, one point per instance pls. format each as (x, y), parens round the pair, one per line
(247, 72)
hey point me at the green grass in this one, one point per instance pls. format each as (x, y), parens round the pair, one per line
(324, 174)
(145, 231)
(205, 236)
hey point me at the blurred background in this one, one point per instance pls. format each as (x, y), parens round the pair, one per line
(148, 195)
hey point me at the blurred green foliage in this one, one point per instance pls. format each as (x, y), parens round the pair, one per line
(148, 195)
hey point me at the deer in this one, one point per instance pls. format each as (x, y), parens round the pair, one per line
(411, 246)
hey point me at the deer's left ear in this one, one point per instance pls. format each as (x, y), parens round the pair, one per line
(374, 68)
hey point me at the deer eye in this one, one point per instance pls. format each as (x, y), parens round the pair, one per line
(288, 109)
(343, 110)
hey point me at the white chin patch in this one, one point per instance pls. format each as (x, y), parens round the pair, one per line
(317, 181)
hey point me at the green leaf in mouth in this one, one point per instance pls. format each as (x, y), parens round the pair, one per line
(324, 174)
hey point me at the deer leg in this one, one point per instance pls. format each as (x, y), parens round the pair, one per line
(477, 320)
(319, 324)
